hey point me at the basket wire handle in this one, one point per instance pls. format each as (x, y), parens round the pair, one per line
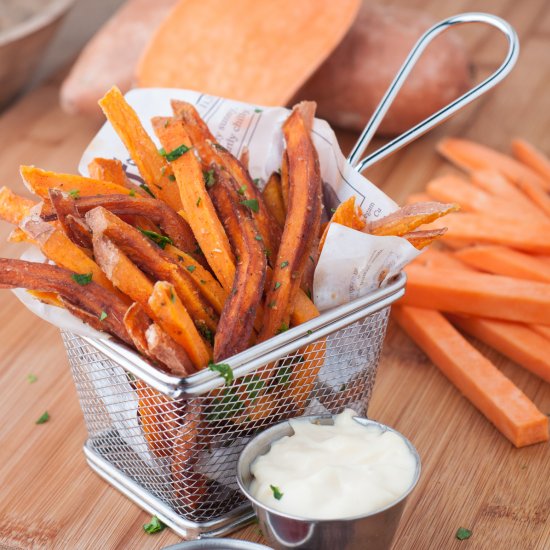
(447, 111)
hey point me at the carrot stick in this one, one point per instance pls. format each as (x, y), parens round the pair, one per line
(532, 157)
(494, 395)
(478, 294)
(452, 188)
(497, 185)
(472, 156)
(514, 340)
(501, 260)
(528, 235)
(197, 206)
(150, 163)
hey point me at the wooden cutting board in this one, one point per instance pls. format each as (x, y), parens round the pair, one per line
(472, 477)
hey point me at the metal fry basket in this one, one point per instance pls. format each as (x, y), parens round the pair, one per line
(172, 444)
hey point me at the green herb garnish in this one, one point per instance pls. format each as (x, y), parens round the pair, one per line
(207, 334)
(191, 268)
(103, 316)
(224, 370)
(175, 153)
(277, 285)
(172, 296)
(198, 201)
(74, 193)
(82, 278)
(160, 240)
(252, 204)
(209, 178)
(284, 264)
(44, 418)
(132, 193)
(31, 378)
(276, 492)
(258, 110)
(272, 304)
(258, 237)
(171, 177)
(154, 526)
(145, 187)
(241, 190)
(282, 328)
(463, 533)
(256, 181)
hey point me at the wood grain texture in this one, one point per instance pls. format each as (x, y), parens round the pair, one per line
(472, 477)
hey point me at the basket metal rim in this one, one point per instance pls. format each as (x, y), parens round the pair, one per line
(245, 362)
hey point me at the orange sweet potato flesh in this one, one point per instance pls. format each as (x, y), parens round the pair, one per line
(239, 312)
(88, 302)
(494, 395)
(151, 165)
(409, 217)
(197, 206)
(514, 340)
(471, 156)
(303, 220)
(165, 350)
(41, 181)
(346, 214)
(14, 208)
(151, 260)
(171, 315)
(69, 219)
(273, 198)
(543, 330)
(529, 235)
(478, 294)
(110, 170)
(422, 239)
(248, 65)
(502, 260)
(532, 157)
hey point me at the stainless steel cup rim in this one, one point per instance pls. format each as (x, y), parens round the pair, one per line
(274, 433)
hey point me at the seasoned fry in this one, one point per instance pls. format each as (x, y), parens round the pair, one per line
(40, 182)
(197, 206)
(284, 180)
(171, 315)
(49, 298)
(14, 208)
(113, 171)
(273, 198)
(237, 318)
(347, 214)
(421, 239)
(101, 305)
(150, 258)
(303, 221)
(409, 217)
(151, 165)
(70, 220)
(164, 349)
(137, 322)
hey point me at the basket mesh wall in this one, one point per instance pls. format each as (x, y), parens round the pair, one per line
(185, 451)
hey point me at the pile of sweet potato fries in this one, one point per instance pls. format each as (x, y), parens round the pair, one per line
(197, 263)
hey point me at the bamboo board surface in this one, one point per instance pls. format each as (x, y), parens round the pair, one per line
(472, 477)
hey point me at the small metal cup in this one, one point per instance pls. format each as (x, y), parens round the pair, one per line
(374, 531)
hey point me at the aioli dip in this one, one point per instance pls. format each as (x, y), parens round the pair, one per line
(333, 471)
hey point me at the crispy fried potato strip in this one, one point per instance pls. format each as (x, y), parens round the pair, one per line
(421, 239)
(347, 214)
(100, 304)
(238, 315)
(197, 206)
(69, 218)
(409, 217)
(273, 198)
(14, 208)
(151, 165)
(112, 170)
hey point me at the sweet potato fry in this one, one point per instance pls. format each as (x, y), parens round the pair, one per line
(49, 298)
(113, 171)
(14, 208)
(237, 318)
(346, 214)
(532, 157)
(151, 165)
(472, 156)
(97, 302)
(303, 221)
(409, 217)
(137, 322)
(165, 350)
(421, 239)
(172, 316)
(273, 198)
(150, 259)
(69, 218)
(284, 180)
(40, 182)
(197, 206)
(56, 246)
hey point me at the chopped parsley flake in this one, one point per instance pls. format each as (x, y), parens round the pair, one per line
(209, 178)
(160, 240)
(154, 526)
(277, 285)
(44, 418)
(199, 201)
(224, 370)
(241, 190)
(191, 268)
(171, 177)
(172, 295)
(103, 316)
(145, 187)
(82, 278)
(175, 153)
(132, 193)
(31, 378)
(463, 533)
(284, 264)
(272, 304)
(252, 204)
(276, 492)
(258, 238)
(256, 181)
(282, 328)
(74, 193)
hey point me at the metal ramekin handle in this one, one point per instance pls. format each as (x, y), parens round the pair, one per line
(444, 113)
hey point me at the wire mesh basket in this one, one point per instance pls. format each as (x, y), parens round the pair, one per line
(172, 444)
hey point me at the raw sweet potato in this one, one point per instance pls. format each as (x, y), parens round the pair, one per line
(479, 294)
(514, 340)
(351, 82)
(248, 40)
(498, 399)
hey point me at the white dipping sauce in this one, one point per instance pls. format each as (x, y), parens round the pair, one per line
(333, 472)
